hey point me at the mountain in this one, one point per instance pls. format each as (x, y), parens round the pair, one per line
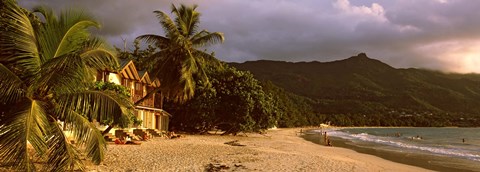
(361, 85)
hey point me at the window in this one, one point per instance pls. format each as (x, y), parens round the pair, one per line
(125, 82)
(138, 86)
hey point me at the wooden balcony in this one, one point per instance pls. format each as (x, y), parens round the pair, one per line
(158, 103)
(138, 92)
(147, 103)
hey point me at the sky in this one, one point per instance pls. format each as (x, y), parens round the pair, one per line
(431, 34)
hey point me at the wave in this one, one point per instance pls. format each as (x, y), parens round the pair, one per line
(406, 143)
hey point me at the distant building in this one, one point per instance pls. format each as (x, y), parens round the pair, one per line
(139, 83)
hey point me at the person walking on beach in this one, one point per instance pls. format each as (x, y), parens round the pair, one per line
(325, 138)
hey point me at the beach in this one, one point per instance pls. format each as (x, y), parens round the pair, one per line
(277, 150)
(438, 149)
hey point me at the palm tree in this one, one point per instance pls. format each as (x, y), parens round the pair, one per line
(46, 75)
(178, 61)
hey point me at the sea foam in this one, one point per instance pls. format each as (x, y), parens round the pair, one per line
(407, 143)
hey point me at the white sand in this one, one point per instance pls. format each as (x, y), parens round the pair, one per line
(283, 151)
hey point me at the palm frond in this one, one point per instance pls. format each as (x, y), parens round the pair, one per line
(168, 25)
(98, 105)
(96, 57)
(181, 27)
(66, 35)
(157, 40)
(176, 73)
(170, 78)
(18, 40)
(204, 61)
(186, 19)
(69, 72)
(206, 38)
(208, 59)
(190, 66)
(23, 123)
(95, 145)
(72, 39)
(178, 63)
(78, 109)
(62, 155)
(62, 74)
(199, 35)
(193, 22)
(12, 86)
(47, 63)
(152, 62)
(47, 14)
(86, 135)
(100, 59)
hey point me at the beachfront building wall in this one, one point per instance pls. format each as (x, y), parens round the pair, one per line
(115, 78)
(139, 83)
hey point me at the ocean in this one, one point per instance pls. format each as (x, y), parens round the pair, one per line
(439, 149)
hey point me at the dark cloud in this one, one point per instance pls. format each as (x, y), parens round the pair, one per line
(435, 34)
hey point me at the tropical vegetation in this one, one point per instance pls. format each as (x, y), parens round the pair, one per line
(178, 61)
(292, 110)
(47, 66)
(233, 103)
(48, 63)
(360, 91)
(138, 55)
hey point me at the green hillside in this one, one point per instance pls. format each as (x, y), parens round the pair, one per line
(363, 86)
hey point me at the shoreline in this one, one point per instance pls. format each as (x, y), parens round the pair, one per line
(435, 162)
(278, 150)
(419, 160)
(407, 159)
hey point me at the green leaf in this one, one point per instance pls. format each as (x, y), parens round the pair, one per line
(62, 155)
(23, 123)
(18, 39)
(177, 64)
(99, 105)
(12, 86)
(87, 135)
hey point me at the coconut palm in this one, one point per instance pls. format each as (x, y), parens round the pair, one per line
(178, 61)
(47, 66)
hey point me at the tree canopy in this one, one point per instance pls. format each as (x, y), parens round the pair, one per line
(178, 61)
(47, 66)
(235, 102)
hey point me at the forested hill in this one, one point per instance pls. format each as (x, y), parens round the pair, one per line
(361, 85)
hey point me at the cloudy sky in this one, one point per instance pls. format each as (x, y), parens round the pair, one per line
(433, 34)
